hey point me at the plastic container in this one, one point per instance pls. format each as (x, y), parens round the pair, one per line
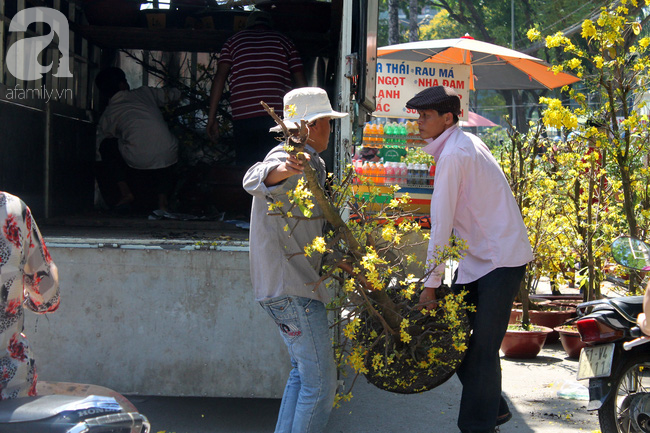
(390, 172)
(402, 132)
(381, 173)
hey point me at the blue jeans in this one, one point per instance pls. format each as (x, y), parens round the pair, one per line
(480, 372)
(309, 394)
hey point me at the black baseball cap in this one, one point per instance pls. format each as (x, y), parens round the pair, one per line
(440, 98)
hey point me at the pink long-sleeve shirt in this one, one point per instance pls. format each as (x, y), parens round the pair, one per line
(473, 198)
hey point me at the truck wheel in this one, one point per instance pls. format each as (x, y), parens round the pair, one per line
(626, 408)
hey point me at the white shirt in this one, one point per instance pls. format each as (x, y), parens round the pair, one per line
(473, 197)
(133, 117)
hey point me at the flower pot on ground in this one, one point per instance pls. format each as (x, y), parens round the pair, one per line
(570, 339)
(522, 343)
(547, 315)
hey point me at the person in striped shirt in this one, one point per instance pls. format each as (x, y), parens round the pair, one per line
(263, 65)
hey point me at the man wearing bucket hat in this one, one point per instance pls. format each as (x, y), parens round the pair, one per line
(282, 275)
(262, 64)
(473, 199)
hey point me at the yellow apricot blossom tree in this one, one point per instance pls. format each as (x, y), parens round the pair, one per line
(606, 116)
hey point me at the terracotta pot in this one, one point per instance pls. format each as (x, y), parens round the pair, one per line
(551, 319)
(120, 13)
(524, 344)
(570, 339)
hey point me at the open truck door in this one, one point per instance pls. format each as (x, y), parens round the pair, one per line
(157, 307)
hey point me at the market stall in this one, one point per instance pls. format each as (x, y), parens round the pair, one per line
(389, 152)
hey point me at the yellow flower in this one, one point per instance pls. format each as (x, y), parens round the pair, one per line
(588, 29)
(533, 34)
(290, 110)
(403, 331)
(388, 232)
(319, 244)
(574, 63)
(348, 286)
(351, 328)
(377, 363)
(356, 360)
(598, 60)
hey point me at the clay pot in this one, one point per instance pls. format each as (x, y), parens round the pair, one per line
(524, 344)
(548, 318)
(571, 342)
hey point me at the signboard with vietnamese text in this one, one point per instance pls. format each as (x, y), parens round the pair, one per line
(398, 81)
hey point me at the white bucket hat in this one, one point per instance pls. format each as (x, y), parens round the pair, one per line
(308, 104)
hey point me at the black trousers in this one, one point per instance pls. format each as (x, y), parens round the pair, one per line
(480, 372)
(144, 184)
(253, 139)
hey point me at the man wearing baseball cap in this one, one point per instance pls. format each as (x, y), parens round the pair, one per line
(472, 199)
(283, 276)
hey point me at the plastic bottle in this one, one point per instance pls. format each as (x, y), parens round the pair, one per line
(374, 131)
(380, 131)
(390, 172)
(366, 133)
(388, 130)
(372, 171)
(415, 178)
(432, 173)
(381, 173)
(358, 169)
(404, 172)
(402, 133)
(364, 170)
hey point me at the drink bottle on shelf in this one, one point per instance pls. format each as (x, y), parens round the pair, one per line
(410, 178)
(432, 173)
(374, 131)
(388, 130)
(403, 174)
(402, 133)
(390, 172)
(366, 133)
(381, 173)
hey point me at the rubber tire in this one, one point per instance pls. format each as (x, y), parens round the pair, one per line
(607, 414)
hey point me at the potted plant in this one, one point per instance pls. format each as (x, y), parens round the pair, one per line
(570, 339)
(524, 343)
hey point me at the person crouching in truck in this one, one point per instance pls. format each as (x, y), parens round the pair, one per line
(134, 144)
(29, 279)
(473, 199)
(281, 273)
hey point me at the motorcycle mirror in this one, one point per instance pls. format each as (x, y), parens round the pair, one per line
(631, 253)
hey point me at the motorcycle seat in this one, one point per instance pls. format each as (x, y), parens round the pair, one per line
(34, 408)
(630, 306)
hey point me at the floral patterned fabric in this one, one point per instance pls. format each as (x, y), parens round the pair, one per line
(28, 278)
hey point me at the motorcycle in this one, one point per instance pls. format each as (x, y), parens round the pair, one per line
(62, 407)
(616, 359)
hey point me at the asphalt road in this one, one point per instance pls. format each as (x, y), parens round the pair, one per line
(531, 386)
